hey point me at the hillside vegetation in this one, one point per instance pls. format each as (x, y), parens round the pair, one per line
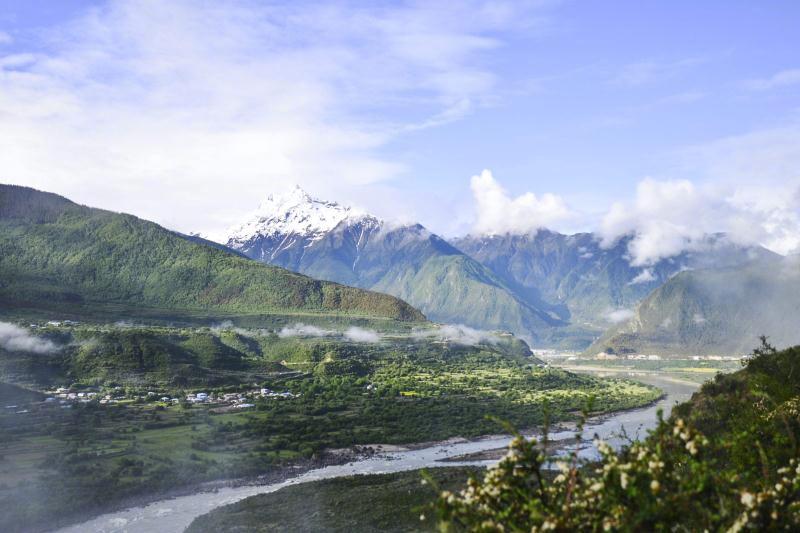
(727, 460)
(57, 254)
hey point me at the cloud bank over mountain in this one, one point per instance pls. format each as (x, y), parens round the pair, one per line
(672, 216)
(499, 213)
(664, 217)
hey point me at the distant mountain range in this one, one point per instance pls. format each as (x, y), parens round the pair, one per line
(553, 289)
(715, 311)
(329, 241)
(586, 283)
(55, 254)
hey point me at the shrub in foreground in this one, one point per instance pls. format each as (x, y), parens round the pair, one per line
(667, 483)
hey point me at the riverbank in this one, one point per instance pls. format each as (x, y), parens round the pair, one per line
(175, 514)
(278, 475)
(285, 474)
(385, 503)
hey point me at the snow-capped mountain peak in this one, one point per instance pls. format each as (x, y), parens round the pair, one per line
(293, 213)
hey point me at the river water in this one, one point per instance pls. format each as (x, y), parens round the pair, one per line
(175, 514)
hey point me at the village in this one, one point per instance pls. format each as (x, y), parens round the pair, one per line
(66, 397)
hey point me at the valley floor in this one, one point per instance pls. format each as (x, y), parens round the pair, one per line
(126, 415)
(65, 464)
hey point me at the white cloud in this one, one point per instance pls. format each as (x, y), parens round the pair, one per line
(357, 334)
(5, 38)
(645, 276)
(354, 334)
(780, 79)
(758, 174)
(669, 217)
(616, 316)
(184, 96)
(303, 330)
(16, 339)
(459, 334)
(498, 213)
(662, 220)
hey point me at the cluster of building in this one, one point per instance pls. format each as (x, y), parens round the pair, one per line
(717, 357)
(55, 324)
(238, 399)
(65, 397)
(65, 394)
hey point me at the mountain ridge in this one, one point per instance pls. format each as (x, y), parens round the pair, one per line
(556, 290)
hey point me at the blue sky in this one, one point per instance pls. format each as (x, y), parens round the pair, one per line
(187, 112)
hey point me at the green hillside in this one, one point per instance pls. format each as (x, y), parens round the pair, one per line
(719, 311)
(57, 254)
(725, 461)
(65, 460)
(456, 289)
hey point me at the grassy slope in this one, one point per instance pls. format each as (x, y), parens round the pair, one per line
(12, 394)
(578, 278)
(582, 281)
(383, 502)
(54, 251)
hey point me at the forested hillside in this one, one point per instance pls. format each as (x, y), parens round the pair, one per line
(54, 252)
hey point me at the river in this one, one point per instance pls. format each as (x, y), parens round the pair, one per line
(175, 514)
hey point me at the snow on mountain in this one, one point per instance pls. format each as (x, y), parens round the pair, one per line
(292, 214)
